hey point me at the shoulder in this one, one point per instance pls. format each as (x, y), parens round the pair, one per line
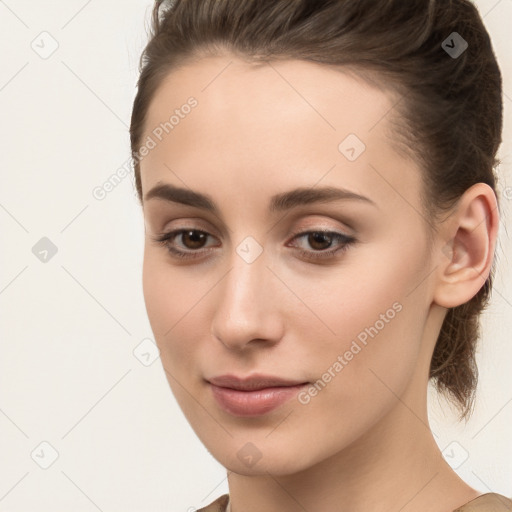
(219, 505)
(490, 502)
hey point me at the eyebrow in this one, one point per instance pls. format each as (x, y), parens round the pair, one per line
(278, 203)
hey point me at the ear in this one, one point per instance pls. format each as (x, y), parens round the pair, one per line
(468, 240)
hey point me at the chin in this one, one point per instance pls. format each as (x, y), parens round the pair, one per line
(276, 466)
(249, 456)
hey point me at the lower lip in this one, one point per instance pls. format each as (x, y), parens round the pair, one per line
(253, 403)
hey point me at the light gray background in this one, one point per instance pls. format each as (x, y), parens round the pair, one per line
(71, 327)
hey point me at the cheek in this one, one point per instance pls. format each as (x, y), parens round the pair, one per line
(170, 298)
(373, 358)
(372, 320)
(172, 302)
(156, 295)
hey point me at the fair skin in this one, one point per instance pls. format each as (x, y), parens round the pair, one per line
(363, 442)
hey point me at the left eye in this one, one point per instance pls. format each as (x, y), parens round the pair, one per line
(322, 240)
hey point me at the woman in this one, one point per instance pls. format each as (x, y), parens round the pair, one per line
(317, 180)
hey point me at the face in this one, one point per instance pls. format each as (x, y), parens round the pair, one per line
(327, 294)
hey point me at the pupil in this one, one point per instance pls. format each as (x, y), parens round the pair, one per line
(320, 237)
(196, 238)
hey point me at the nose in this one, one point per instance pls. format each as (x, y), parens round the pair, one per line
(248, 311)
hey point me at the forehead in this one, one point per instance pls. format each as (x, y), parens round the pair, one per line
(227, 85)
(277, 121)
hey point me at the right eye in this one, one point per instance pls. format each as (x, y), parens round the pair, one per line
(192, 239)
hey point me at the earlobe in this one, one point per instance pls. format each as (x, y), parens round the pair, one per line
(467, 252)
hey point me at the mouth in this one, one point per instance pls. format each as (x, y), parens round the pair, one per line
(253, 396)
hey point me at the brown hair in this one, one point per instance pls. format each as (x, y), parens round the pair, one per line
(449, 118)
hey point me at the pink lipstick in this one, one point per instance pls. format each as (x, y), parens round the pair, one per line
(253, 396)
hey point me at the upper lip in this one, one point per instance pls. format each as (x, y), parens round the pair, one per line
(253, 382)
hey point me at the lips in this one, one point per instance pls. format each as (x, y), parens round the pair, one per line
(253, 396)
(253, 382)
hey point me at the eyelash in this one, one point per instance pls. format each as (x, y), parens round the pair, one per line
(345, 240)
